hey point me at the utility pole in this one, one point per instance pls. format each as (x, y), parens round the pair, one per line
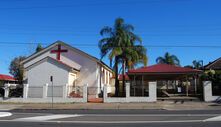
(52, 91)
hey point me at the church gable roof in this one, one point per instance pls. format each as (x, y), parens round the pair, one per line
(72, 48)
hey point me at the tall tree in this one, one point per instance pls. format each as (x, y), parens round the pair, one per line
(110, 45)
(168, 59)
(39, 48)
(119, 44)
(133, 53)
(16, 68)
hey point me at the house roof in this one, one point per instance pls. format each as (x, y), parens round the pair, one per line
(6, 78)
(215, 65)
(73, 48)
(164, 69)
(60, 62)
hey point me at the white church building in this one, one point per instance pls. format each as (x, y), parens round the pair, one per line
(62, 71)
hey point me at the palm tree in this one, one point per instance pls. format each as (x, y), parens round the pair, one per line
(133, 54)
(119, 44)
(168, 59)
(111, 44)
(197, 64)
(39, 48)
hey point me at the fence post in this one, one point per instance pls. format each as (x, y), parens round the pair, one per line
(85, 93)
(105, 93)
(153, 91)
(207, 91)
(65, 91)
(127, 90)
(25, 91)
(6, 87)
(45, 90)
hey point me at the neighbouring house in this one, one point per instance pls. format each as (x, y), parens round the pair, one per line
(215, 65)
(212, 86)
(172, 81)
(5, 79)
(64, 70)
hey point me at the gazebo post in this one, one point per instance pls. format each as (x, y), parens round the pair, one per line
(135, 84)
(187, 87)
(195, 84)
(142, 86)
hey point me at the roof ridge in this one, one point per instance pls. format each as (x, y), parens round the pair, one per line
(210, 63)
(68, 45)
(164, 68)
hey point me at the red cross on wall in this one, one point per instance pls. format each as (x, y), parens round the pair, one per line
(59, 51)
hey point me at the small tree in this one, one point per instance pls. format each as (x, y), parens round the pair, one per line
(39, 48)
(16, 68)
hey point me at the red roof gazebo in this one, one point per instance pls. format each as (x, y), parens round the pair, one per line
(163, 72)
(6, 78)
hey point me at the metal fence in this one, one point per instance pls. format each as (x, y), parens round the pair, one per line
(95, 92)
(2, 92)
(16, 91)
(172, 88)
(35, 91)
(57, 91)
(139, 91)
(216, 89)
(75, 91)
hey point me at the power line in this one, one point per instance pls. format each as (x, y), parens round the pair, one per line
(95, 45)
(94, 4)
(94, 34)
(204, 25)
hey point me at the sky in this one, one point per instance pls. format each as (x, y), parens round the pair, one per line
(189, 29)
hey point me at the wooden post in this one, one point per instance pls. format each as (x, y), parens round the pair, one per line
(187, 87)
(195, 85)
(134, 85)
(142, 87)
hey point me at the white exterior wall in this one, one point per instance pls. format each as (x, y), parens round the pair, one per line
(39, 74)
(207, 92)
(87, 66)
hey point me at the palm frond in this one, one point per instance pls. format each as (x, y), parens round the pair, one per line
(106, 31)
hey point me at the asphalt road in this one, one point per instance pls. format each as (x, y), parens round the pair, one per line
(119, 118)
(34, 124)
(116, 111)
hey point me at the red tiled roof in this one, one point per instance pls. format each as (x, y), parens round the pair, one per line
(6, 78)
(164, 68)
(120, 77)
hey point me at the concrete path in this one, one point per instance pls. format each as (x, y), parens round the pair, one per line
(7, 107)
(157, 105)
(164, 105)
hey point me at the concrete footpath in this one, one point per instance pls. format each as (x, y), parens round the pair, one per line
(160, 105)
